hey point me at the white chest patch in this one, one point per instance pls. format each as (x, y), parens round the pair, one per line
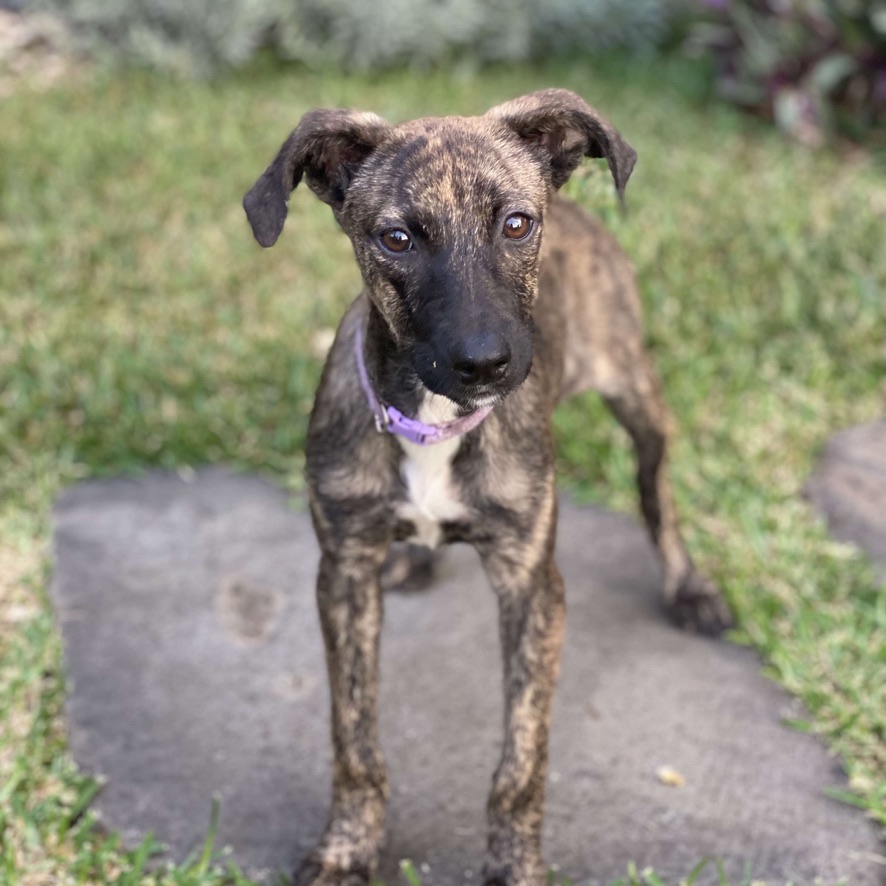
(427, 474)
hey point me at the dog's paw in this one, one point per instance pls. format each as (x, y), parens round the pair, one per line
(313, 873)
(697, 605)
(530, 872)
(408, 567)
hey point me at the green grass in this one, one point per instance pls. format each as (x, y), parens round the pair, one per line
(141, 325)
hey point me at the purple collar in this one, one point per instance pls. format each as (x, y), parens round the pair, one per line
(390, 419)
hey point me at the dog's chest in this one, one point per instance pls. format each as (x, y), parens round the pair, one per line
(431, 496)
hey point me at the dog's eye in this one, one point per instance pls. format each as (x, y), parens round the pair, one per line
(396, 240)
(517, 226)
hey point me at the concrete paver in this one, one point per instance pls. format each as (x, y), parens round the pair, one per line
(195, 667)
(849, 488)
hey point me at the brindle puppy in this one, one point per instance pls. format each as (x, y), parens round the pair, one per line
(482, 288)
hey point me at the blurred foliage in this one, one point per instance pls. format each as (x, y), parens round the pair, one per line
(814, 66)
(204, 36)
(197, 37)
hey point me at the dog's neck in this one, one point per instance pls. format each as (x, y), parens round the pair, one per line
(389, 379)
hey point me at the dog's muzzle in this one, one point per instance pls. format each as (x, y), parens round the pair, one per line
(476, 371)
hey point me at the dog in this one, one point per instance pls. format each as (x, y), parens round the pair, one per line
(487, 299)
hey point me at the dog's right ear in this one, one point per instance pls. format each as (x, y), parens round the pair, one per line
(327, 147)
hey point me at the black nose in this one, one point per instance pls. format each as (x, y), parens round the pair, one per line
(482, 359)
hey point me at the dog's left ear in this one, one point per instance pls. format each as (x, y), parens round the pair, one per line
(564, 128)
(328, 147)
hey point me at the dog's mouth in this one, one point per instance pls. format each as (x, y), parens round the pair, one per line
(470, 398)
(469, 401)
(482, 399)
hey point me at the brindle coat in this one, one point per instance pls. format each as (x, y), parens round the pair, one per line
(481, 286)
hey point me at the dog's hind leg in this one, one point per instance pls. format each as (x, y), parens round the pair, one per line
(591, 302)
(635, 398)
(522, 571)
(408, 567)
(350, 602)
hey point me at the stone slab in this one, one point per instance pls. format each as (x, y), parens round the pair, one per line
(849, 488)
(195, 667)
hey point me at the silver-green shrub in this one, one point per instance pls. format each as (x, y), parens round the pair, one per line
(202, 36)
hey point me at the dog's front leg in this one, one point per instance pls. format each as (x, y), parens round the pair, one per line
(350, 603)
(531, 615)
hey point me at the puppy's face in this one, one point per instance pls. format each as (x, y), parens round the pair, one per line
(446, 217)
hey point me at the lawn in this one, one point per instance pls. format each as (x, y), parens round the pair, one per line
(141, 325)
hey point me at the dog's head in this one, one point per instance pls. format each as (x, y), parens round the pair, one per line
(446, 216)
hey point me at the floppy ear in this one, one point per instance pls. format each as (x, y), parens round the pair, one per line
(328, 147)
(563, 129)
